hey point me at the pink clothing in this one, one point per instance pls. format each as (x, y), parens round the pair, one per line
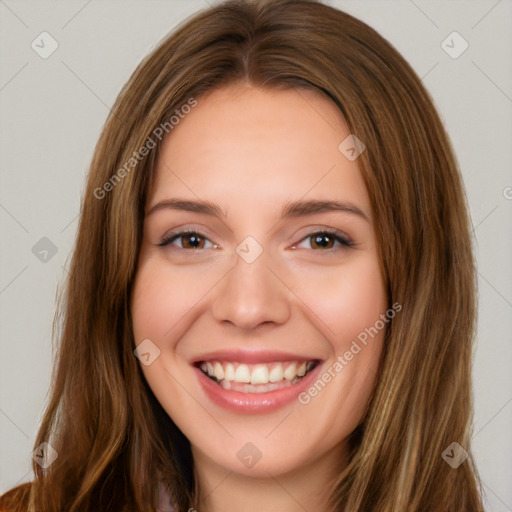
(164, 500)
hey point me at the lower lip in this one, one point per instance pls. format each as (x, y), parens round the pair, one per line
(253, 403)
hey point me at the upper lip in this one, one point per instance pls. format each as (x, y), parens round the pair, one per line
(251, 356)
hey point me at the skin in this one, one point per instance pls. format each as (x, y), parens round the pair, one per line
(251, 150)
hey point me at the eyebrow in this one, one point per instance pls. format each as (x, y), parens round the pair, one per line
(290, 209)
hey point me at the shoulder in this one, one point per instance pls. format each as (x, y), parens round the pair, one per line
(16, 499)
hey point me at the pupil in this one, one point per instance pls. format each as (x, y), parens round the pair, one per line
(318, 239)
(194, 240)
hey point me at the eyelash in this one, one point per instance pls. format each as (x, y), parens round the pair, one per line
(334, 235)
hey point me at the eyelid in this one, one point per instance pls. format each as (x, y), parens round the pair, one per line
(342, 238)
(180, 232)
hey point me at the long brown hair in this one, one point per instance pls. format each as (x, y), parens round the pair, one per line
(113, 439)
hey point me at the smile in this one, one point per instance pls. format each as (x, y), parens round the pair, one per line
(248, 382)
(256, 378)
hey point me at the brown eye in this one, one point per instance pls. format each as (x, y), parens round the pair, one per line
(190, 240)
(326, 240)
(322, 240)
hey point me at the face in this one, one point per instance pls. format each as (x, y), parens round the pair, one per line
(258, 282)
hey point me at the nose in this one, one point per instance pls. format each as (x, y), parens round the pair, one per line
(252, 294)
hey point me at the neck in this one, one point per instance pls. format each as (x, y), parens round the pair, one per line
(305, 488)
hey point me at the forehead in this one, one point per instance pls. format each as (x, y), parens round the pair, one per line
(259, 147)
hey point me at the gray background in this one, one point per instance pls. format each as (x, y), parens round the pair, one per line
(52, 111)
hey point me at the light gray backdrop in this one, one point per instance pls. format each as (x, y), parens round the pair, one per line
(53, 106)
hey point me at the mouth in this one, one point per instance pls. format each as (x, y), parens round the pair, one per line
(256, 378)
(256, 384)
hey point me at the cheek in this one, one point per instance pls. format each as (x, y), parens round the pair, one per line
(149, 303)
(349, 301)
(346, 299)
(163, 296)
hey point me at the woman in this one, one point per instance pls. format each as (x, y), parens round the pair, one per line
(271, 302)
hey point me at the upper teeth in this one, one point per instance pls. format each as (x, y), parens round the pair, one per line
(256, 373)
